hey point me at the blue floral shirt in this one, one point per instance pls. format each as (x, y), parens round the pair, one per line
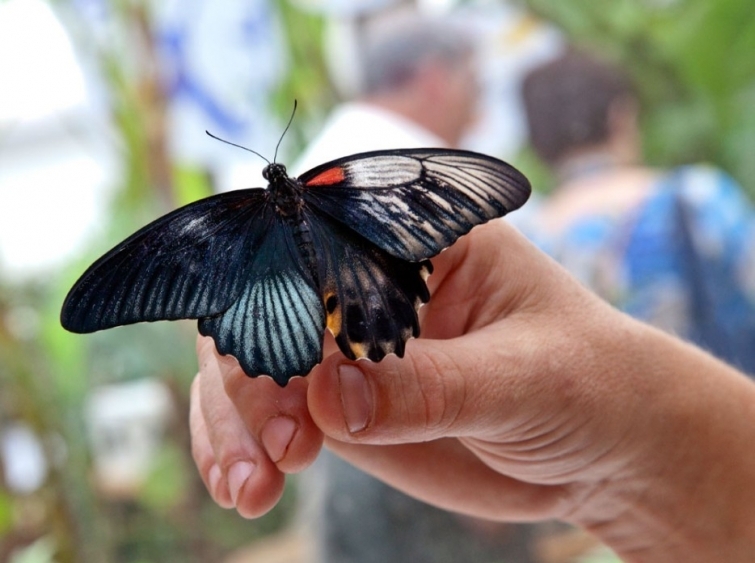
(644, 264)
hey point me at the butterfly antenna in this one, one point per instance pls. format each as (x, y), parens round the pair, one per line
(235, 145)
(290, 119)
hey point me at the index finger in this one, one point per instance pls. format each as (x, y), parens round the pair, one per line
(276, 417)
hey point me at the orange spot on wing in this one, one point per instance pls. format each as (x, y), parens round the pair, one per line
(329, 177)
(334, 319)
(334, 322)
(359, 350)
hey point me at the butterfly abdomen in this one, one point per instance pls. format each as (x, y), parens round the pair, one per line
(285, 194)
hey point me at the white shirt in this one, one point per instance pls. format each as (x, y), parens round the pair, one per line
(358, 127)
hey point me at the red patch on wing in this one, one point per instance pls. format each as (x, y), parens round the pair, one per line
(329, 177)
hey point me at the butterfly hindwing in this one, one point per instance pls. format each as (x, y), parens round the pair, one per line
(276, 325)
(413, 203)
(370, 297)
(187, 264)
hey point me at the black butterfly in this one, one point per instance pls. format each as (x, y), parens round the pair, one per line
(345, 246)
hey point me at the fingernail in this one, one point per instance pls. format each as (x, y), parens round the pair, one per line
(238, 474)
(356, 397)
(276, 436)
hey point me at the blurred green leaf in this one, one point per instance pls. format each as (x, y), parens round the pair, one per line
(190, 184)
(166, 484)
(6, 513)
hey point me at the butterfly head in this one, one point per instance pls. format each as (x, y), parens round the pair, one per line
(274, 173)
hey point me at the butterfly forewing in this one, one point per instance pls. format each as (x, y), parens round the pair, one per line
(276, 325)
(190, 263)
(414, 203)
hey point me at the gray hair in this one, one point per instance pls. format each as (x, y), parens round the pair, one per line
(394, 51)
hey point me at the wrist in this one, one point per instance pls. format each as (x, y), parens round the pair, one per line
(685, 490)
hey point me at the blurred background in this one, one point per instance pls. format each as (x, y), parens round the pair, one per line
(103, 108)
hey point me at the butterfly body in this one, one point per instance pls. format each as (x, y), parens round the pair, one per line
(282, 191)
(285, 195)
(265, 271)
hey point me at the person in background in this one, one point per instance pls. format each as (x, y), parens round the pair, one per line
(419, 89)
(675, 247)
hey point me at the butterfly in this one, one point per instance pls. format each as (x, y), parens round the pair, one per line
(345, 246)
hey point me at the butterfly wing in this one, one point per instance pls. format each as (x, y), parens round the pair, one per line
(187, 264)
(370, 297)
(276, 325)
(413, 203)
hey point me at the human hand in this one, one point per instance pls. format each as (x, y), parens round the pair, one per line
(526, 398)
(484, 333)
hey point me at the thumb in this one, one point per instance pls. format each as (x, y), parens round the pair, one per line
(440, 388)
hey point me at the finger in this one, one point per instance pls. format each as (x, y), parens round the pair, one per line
(253, 481)
(446, 474)
(439, 389)
(277, 417)
(203, 454)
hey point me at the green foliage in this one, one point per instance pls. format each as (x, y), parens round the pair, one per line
(6, 513)
(308, 80)
(167, 482)
(190, 184)
(692, 64)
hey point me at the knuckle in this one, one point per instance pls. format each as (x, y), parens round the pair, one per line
(443, 392)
